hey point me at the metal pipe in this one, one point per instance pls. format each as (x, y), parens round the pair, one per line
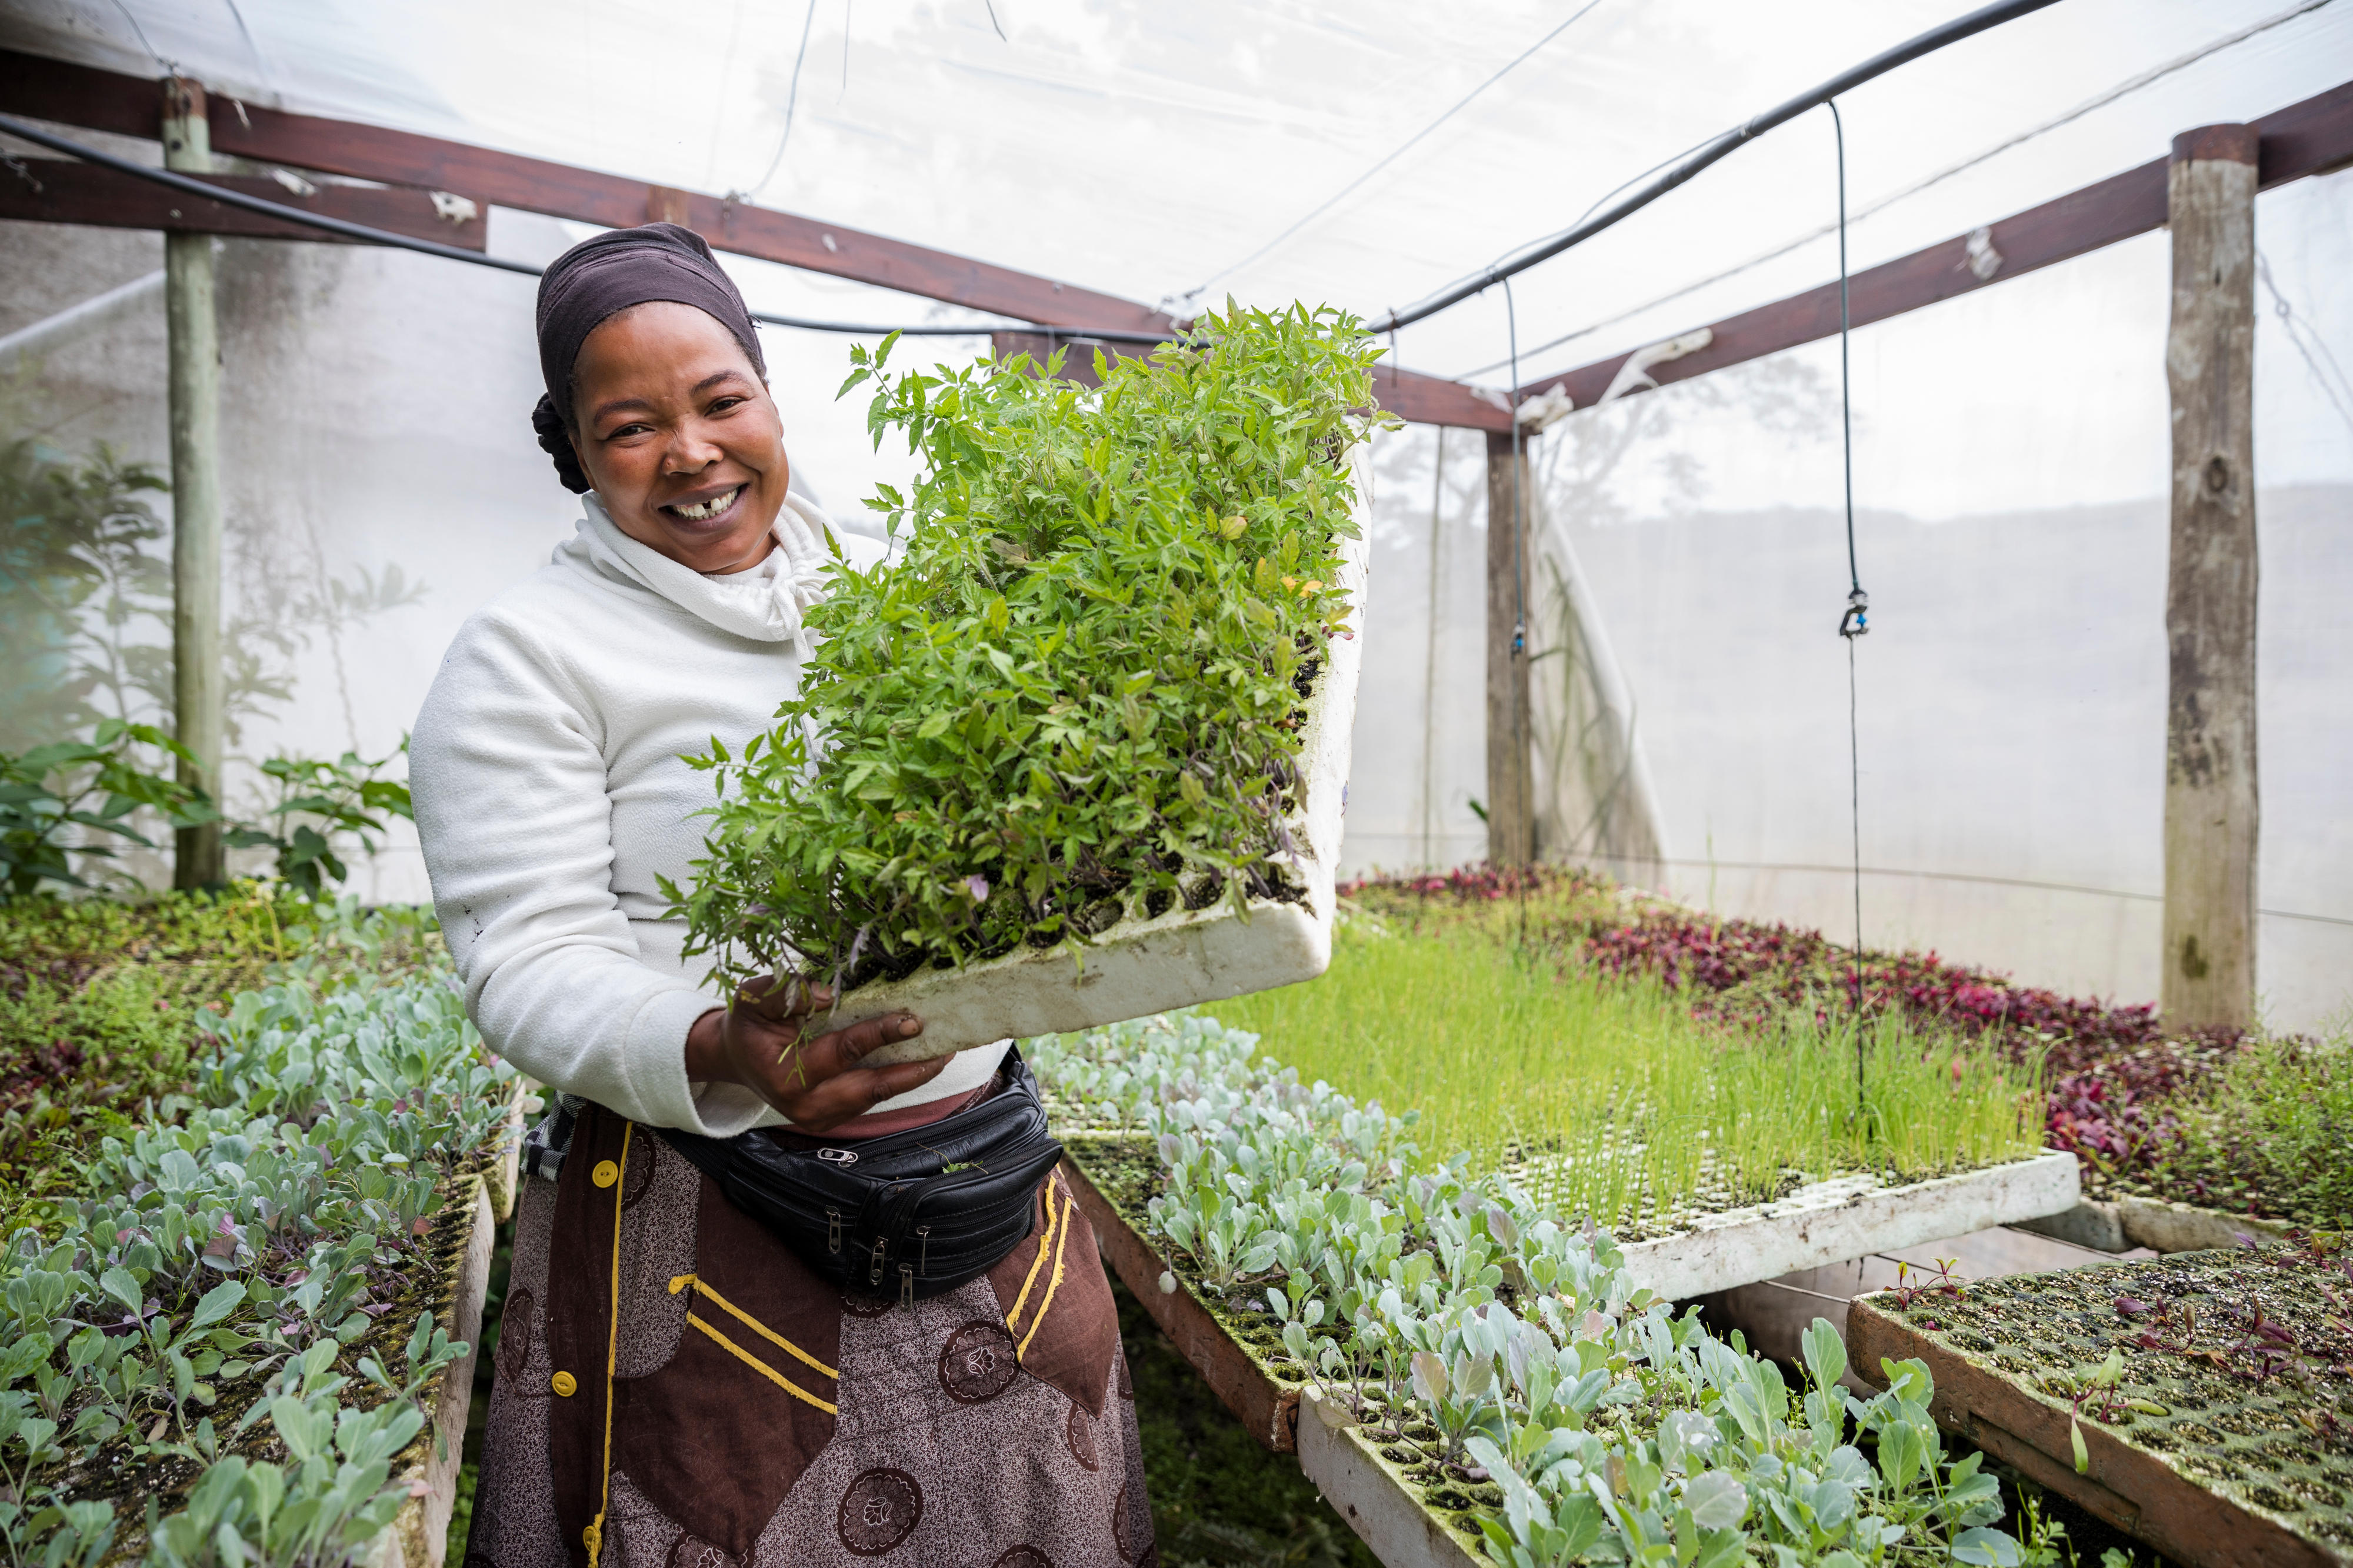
(74, 322)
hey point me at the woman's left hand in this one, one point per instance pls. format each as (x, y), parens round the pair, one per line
(762, 1043)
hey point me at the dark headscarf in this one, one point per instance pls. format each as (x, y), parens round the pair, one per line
(606, 274)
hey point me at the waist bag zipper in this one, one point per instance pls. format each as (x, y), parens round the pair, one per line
(875, 1277)
(833, 1230)
(906, 1285)
(923, 1260)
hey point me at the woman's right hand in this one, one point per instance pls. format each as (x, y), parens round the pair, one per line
(762, 1043)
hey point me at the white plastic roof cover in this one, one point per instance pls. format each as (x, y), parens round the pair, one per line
(2010, 446)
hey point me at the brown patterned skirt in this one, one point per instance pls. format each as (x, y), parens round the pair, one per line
(755, 1418)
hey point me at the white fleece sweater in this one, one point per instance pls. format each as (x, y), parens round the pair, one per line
(551, 795)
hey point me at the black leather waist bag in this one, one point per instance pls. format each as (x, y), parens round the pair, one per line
(911, 1214)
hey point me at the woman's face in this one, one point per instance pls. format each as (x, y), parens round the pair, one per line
(680, 437)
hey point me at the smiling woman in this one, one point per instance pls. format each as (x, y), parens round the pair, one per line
(679, 1379)
(680, 437)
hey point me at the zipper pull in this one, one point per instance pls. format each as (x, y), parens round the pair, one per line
(924, 1257)
(833, 1230)
(906, 1285)
(875, 1278)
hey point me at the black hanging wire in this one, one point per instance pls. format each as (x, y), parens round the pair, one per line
(1856, 621)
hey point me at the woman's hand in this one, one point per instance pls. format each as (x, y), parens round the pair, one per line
(761, 1042)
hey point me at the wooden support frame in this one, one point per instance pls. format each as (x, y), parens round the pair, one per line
(2213, 809)
(192, 319)
(107, 100)
(1511, 792)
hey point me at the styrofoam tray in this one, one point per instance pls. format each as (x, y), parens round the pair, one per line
(1847, 1217)
(1142, 966)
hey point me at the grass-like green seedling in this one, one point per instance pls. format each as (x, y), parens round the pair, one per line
(1605, 1098)
(2269, 1135)
(1077, 697)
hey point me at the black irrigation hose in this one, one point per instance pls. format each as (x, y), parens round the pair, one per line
(362, 232)
(1936, 39)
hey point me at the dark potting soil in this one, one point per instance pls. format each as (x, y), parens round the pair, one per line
(2237, 1364)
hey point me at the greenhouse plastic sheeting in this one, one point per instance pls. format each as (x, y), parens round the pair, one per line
(1691, 723)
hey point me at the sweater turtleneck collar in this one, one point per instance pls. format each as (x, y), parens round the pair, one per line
(741, 603)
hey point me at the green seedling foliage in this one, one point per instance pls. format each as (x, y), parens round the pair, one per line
(77, 798)
(1077, 696)
(1537, 1400)
(1607, 1098)
(318, 802)
(2232, 1369)
(2269, 1136)
(247, 1267)
(103, 1001)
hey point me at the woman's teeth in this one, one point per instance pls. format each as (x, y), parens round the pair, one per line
(702, 511)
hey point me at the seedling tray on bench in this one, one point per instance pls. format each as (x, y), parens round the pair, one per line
(1410, 1525)
(1146, 964)
(2225, 1434)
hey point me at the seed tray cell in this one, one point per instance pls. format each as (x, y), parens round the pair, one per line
(2225, 1435)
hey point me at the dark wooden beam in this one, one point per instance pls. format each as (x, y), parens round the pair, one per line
(1434, 400)
(59, 190)
(106, 101)
(2306, 138)
(95, 99)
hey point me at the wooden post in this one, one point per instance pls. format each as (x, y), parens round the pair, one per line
(194, 375)
(2211, 805)
(1511, 806)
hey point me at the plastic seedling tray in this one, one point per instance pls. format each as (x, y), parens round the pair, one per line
(1146, 964)
(1848, 1217)
(1241, 1355)
(1372, 1491)
(2226, 1435)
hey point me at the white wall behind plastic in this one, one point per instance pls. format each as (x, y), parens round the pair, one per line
(2012, 461)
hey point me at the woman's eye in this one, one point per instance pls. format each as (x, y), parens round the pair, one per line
(625, 431)
(727, 403)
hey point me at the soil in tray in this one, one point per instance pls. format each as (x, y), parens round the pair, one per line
(2237, 1366)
